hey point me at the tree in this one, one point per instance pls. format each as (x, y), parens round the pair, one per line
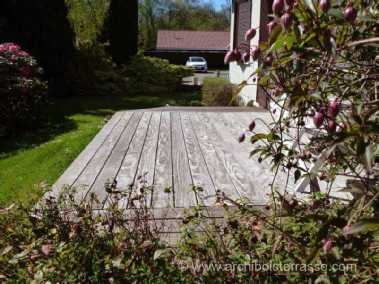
(123, 32)
(42, 29)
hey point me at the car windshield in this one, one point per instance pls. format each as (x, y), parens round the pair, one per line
(197, 59)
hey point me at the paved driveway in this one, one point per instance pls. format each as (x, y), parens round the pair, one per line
(200, 76)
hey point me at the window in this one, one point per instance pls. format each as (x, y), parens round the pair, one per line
(242, 23)
(197, 59)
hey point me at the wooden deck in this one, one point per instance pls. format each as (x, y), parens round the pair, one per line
(176, 149)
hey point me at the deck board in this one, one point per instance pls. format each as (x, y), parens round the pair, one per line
(162, 195)
(199, 170)
(113, 164)
(72, 173)
(88, 176)
(182, 177)
(177, 149)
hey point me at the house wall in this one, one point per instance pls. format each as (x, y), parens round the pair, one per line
(241, 72)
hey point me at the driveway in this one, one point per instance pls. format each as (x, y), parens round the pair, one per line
(201, 76)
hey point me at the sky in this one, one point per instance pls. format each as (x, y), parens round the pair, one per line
(216, 3)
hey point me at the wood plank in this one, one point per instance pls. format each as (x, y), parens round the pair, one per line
(126, 177)
(215, 164)
(226, 151)
(78, 165)
(252, 174)
(147, 162)
(89, 174)
(199, 170)
(163, 167)
(113, 163)
(183, 191)
(262, 171)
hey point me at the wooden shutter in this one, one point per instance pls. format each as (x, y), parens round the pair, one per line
(242, 21)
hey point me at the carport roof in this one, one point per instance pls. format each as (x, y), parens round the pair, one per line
(193, 40)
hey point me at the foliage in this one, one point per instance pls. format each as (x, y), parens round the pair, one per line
(305, 243)
(154, 75)
(42, 29)
(175, 15)
(319, 69)
(218, 92)
(87, 19)
(68, 240)
(22, 92)
(63, 241)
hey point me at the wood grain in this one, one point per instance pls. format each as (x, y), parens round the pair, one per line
(112, 166)
(161, 198)
(93, 168)
(214, 158)
(182, 178)
(199, 170)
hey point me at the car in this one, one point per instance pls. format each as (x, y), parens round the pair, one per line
(197, 63)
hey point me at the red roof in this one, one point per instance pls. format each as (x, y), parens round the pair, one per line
(193, 40)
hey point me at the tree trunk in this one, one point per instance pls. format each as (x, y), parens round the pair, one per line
(123, 30)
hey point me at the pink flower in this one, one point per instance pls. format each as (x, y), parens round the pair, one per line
(328, 244)
(22, 53)
(9, 47)
(347, 230)
(25, 71)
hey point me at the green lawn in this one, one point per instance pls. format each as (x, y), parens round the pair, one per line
(40, 157)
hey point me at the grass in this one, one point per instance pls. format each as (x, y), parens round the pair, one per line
(35, 159)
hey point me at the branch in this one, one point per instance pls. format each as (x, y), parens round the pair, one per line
(363, 41)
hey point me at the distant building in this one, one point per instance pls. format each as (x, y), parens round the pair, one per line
(248, 14)
(177, 46)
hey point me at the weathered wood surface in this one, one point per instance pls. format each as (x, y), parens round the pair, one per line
(176, 152)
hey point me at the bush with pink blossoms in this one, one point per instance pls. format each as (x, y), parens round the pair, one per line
(22, 90)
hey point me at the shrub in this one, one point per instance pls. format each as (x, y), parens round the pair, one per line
(154, 75)
(22, 92)
(95, 73)
(67, 241)
(218, 92)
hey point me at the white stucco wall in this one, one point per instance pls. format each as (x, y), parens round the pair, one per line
(242, 72)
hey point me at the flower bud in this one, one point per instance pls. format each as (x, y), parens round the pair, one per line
(350, 14)
(252, 126)
(278, 7)
(255, 52)
(325, 5)
(333, 108)
(318, 118)
(286, 20)
(242, 137)
(250, 34)
(229, 57)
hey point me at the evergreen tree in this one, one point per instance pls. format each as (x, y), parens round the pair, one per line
(123, 32)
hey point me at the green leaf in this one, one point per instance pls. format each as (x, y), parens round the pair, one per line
(162, 253)
(337, 13)
(257, 137)
(364, 225)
